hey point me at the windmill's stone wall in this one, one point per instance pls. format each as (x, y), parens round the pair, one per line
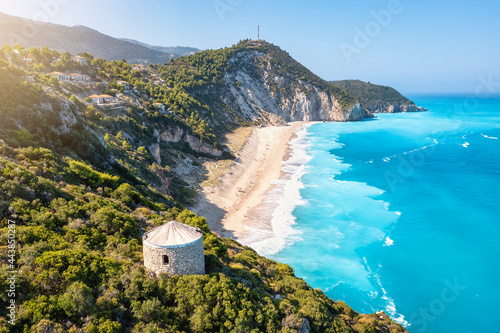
(186, 259)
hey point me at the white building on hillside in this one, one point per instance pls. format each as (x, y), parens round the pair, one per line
(60, 76)
(159, 106)
(124, 84)
(101, 99)
(81, 60)
(75, 77)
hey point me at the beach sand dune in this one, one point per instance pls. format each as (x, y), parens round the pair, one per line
(231, 206)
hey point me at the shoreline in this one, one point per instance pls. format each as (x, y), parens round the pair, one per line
(237, 204)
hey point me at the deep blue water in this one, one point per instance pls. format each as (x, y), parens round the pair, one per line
(402, 213)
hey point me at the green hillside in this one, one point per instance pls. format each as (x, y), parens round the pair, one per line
(371, 94)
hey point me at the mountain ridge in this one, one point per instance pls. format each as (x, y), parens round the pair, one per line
(177, 50)
(77, 39)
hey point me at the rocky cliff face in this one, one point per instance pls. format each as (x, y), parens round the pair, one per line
(172, 134)
(201, 147)
(259, 90)
(394, 108)
(175, 134)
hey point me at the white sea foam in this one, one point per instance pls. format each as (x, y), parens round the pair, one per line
(435, 142)
(390, 308)
(465, 145)
(335, 285)
(388, 241)
(489, 137)
(285, 196)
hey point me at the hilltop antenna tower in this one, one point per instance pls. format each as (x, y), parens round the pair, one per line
(258, 32)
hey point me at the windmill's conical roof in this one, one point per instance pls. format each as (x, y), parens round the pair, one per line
(173, 234)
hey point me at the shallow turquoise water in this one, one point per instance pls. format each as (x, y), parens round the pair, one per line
(400, 213)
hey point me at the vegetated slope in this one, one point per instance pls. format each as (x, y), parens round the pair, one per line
(15, 30)
(82, 190)
(377, 98)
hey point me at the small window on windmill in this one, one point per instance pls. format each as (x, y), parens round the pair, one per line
(165, 260)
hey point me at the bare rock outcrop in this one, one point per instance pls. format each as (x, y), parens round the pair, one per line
(176, 134)
(172, 134)
(202, 147)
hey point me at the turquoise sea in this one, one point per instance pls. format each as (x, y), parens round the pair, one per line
(400, 213)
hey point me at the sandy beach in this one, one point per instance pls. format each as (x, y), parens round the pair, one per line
(231, 206)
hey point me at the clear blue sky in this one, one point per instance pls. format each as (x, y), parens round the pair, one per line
(428, 46)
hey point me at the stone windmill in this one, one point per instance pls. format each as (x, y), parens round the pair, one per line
(174, 248)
